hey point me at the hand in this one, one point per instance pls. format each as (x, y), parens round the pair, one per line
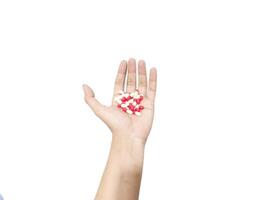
(122, 124)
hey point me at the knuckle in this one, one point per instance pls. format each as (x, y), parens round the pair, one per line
(119, 81)
(131, 81)
(152, 89)
(142, 82)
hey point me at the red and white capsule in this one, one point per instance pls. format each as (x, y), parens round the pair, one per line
(130, 102)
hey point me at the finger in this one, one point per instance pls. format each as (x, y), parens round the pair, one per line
(151, 93)
(131, 79)
(120, 78)
(93, 103)
(142, 78)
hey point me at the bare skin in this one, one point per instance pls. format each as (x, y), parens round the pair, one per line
(122, 176)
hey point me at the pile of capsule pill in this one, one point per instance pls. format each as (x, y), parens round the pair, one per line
(130, 102)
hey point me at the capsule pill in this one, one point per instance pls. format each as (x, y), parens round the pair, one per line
(130, 102)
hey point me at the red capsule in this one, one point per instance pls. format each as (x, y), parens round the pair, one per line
(119, 105)
(124, 109)
(141, 107)
(131, 107)
(124, 99)
(137, 109)
(128, 98)
(141, 98)
(138, 101)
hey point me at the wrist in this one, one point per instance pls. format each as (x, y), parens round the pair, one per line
(129, 151)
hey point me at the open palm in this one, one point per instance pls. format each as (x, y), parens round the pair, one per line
(121, 123)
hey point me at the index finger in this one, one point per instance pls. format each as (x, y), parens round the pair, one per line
(120, 78)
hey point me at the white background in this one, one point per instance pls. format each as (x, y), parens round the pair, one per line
(209, 135)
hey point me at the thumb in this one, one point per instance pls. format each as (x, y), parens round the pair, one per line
(94, 104)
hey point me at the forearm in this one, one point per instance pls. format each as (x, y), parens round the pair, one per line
(123, 172)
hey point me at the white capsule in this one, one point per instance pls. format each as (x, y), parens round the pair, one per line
(131, 101)
(134, 103)
(119, 97)
(129, 112)
(137, 96)
(119, 101)
(137, 113)
(127, 103)
(126, 95)
(121, 92)
(123, 105)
